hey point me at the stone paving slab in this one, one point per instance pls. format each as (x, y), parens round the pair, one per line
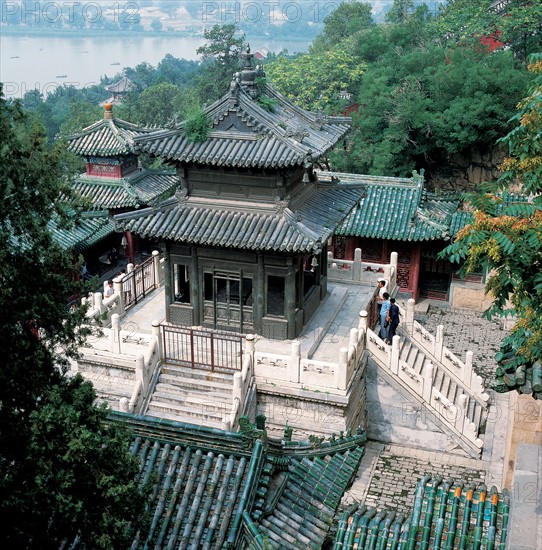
(388, 475)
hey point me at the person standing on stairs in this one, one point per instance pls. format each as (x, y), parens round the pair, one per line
(384, 315)
(393, 320)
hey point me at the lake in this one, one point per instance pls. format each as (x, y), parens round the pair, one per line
(46, 62)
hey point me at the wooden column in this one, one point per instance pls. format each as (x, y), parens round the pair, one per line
(168, 287)
(289, 297)
(415, 266)
(258, 302)
(350, 248)
(196, 290)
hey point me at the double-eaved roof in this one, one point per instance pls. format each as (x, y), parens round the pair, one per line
(302, 225)
(253, 125)
(398, 209)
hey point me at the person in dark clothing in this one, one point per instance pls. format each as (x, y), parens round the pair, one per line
(393, 319)
(113, 257)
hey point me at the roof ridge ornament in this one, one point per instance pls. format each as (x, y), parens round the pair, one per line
(249, 75)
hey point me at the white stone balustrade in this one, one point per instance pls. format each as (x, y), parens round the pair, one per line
(129, 358)
(243, 386)
(434, 347)
(362, 272)
(453, 414)
(308, 373)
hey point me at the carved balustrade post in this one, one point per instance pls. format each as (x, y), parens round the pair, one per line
(295, 362)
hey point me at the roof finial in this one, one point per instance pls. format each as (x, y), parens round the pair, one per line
(249, 74)
(108, 111)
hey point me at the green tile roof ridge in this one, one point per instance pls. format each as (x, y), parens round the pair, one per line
(345, 177)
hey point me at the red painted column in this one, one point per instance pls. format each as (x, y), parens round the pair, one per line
(349, 249)
(415, 265)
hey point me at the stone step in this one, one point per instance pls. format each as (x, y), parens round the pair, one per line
(197, 416)
(200, 374)
(179, 417)
(175, 394)
(222, 386)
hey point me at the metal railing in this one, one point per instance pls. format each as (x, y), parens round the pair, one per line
(138, 283)
(200, 348)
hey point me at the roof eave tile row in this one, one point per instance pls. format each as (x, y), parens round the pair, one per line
(107, 137)
(304, 230)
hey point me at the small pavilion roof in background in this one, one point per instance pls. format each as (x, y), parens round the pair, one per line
(398, 209)
(252, 125)
(108, 137)
(121, 86)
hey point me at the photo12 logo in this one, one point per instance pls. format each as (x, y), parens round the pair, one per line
(268, 12)
(18, 90)
(51, 13)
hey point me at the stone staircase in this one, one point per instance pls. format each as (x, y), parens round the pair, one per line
(458, 408)
(192, 395)
(449, 387)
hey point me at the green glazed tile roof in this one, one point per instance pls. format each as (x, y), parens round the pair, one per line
(208, 483)
(302, 225)
(303, 515)
(445, 515)
(105, 138)
(141, 188)
(91, 228)
(396, 209)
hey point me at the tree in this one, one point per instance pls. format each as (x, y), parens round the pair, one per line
(505, 237)
(400, 11)
(220, 57)
(420, 102)
(314, 80)
(157, 105)
(156, 25)
(518, 25)
(54, 445)
(349, 17)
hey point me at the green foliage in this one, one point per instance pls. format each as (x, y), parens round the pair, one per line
(51, 438)
(220, 57)
(197, 126)
(419, 102)
(157, 105)
(313, 81)
(400, 11)
(505, 238)
(518, 25)
(348, 18)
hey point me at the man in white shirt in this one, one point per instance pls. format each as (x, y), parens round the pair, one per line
(382, 287)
